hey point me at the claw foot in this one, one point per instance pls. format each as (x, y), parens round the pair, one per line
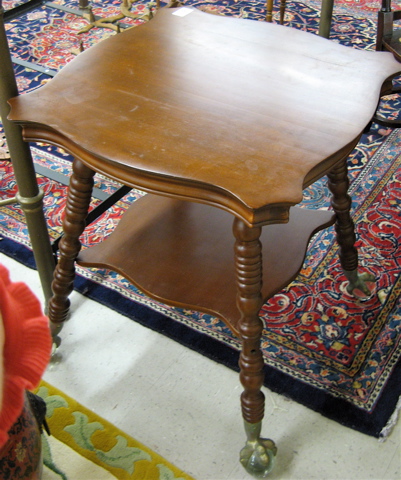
(56, 343)
(55, 329)
(358, 284)
(258, 455)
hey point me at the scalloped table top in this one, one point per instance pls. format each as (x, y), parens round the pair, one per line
(231, 112)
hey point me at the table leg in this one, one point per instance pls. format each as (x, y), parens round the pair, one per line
(345, 230)
(269, 11)
(258, 454)
(326, 14)
(283, 4)
(76, 210)
(29, 196)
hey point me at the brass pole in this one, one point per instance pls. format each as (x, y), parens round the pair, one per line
(29, 196)
(326, 14)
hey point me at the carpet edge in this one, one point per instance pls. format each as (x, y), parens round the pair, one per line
(154, 458)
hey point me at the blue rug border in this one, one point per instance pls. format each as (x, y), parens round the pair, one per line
(336, 409)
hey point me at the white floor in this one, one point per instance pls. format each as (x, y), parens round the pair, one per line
(186, 407)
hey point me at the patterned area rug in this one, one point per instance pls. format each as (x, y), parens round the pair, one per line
(84, 445)
(323, 348)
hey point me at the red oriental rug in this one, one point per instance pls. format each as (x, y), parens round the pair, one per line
(326, 350)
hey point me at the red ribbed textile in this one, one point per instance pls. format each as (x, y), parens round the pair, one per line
(27, 347)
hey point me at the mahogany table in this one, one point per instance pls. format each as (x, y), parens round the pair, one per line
(223, 122)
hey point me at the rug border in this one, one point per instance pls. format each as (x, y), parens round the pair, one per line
(63, 436)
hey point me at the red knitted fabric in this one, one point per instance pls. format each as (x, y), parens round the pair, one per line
(27, 347)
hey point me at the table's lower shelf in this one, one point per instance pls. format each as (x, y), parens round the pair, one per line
(182, 253)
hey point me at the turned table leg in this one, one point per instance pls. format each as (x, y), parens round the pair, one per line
(258, 454)
(345, 230)
(78, 200)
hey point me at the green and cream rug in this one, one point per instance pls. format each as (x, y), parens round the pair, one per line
(84, 446)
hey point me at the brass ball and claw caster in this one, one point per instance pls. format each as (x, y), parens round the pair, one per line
(258, 455)
(55, 329)
(358, 284)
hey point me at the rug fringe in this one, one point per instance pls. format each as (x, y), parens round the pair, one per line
(392, 422)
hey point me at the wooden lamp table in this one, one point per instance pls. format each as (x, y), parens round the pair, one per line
(223, 122)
